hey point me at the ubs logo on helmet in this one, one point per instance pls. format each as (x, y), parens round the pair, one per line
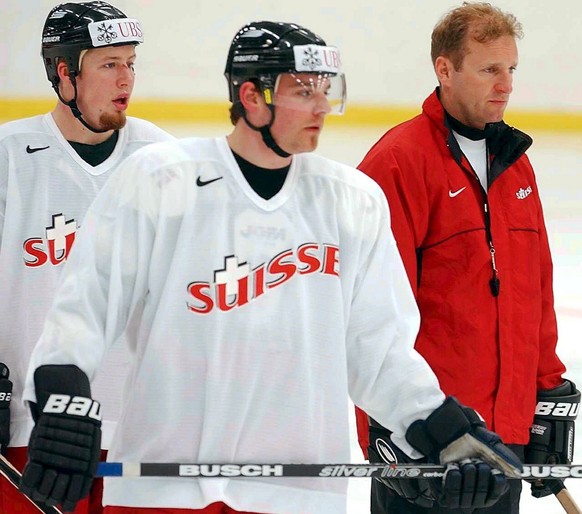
(311, 59)
(117, 31)
(107, 34)
(317, 58)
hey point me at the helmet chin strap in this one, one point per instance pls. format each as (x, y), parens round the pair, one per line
(266, 132)
(72, 104)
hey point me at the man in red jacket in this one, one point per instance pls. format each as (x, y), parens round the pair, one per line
(468, 221)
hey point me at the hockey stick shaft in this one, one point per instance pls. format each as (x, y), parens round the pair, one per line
(567, 502)
(156, 469)
(8, 471)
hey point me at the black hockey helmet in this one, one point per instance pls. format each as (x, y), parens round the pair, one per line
(73, 27)
(263, 50)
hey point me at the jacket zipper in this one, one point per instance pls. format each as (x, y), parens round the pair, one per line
(494, 282)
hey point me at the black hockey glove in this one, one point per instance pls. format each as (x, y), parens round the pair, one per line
(64, 447)
(5, 397)
(552, 433)
(382, 450)
(478, 463)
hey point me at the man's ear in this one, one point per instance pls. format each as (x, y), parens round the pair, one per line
(63, 71)
(250, 97)
(65, 86)
(443, 68)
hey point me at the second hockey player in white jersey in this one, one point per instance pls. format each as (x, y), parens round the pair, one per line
(256, 284)
(51, 168)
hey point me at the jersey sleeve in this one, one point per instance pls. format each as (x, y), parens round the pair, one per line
(3, 188)
(387, 377)
(104, 279)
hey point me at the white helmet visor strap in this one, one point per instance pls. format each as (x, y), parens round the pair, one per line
(81, 55)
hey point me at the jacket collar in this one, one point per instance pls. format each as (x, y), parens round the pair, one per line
(506, 144)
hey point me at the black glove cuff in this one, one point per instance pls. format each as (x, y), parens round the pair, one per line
(560, 403)
(444, 425)
(64, 390)
(60, 379)
(5, 387)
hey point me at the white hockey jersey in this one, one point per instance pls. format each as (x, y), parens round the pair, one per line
(45, 189)
(249, 320)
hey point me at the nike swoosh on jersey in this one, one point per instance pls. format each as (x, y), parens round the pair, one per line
(201, 183)
(452, 195)
(38, 149)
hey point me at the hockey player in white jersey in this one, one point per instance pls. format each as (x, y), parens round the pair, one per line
(51, 168)
(256, 284)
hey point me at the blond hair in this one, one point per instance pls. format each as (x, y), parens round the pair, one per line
(479, 21)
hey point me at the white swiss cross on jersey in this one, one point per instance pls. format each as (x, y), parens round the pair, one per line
(56, 245)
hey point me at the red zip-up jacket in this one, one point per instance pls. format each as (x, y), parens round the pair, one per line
(489, 336)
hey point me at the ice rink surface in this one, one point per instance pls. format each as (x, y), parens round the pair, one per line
(557, 160)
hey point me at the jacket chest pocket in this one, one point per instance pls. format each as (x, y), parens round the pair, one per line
(458, 209)
(520, 207)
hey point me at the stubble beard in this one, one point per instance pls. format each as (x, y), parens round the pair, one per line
(312, 143)
(115, 121)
